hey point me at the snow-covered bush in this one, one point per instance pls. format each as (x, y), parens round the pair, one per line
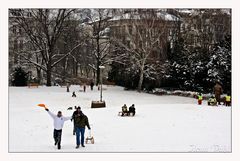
(199, 69)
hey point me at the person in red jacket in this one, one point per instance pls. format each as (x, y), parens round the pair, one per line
(200, 98)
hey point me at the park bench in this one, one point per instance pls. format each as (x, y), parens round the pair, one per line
(34, 85)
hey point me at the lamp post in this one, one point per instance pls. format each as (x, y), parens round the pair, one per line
(101, 73)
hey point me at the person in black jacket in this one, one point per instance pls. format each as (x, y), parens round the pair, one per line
(74, 94)
(132, 110)
(81, 121)
(92, 84)
(78, 109)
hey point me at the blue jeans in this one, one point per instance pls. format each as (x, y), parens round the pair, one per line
(80, 131)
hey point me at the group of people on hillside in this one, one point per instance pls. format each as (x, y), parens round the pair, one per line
(129, 112)
(216, 99)
(91, 86)
(80, 121)
(84, 88)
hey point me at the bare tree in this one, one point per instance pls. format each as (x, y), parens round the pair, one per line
(43, 29)
(146, 35)
(100, 40)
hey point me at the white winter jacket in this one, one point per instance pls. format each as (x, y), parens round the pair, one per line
(58, 121)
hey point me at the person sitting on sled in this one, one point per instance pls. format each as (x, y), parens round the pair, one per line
(200, 98)
(58, 121)
(212, 101)
(124, 109)
(132, 110)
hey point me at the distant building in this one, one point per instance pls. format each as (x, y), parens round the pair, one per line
(119, 26)
(198, 27)
(205, 27)
(17, 41)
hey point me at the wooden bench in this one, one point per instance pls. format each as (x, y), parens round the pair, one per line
(34, 85)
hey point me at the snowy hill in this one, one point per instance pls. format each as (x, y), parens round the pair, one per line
(161, 124)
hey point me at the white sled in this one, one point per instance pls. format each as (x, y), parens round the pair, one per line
(120, 113)
(89, 138)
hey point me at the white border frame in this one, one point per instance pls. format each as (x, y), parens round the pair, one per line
(5, 5)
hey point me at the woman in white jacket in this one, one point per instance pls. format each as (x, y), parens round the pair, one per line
(58, 121)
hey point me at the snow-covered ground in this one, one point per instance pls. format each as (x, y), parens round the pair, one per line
(161, 124)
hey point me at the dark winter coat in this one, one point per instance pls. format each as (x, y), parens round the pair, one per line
(218, 91)
(81, 120)
(132, 109)
(74, 114)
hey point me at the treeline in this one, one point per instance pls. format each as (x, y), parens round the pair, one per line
(197, 69)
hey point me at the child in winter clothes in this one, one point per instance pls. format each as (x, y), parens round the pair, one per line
(74, 94)
(212, 101)
(58, 121)
(228, 100)
(124, 109)
(200, 98)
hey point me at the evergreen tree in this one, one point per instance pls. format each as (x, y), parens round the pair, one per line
(19, 77)
(178, 69)
(219, 66)
(198, 71)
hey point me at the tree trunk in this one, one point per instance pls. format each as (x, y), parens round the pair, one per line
(94, 73)
(98, 57)
(49, 75)
(140, 79)
(76, 70)
(81, 70)
(39, 76)
(98, 73)
(87, 71)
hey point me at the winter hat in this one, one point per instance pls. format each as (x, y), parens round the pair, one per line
(80, 113)
(79, 107)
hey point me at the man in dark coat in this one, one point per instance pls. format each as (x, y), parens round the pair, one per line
(92, 84)
(68, 86)
(217, 90)
(132, 110)
(81, 121)
(78, 109)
